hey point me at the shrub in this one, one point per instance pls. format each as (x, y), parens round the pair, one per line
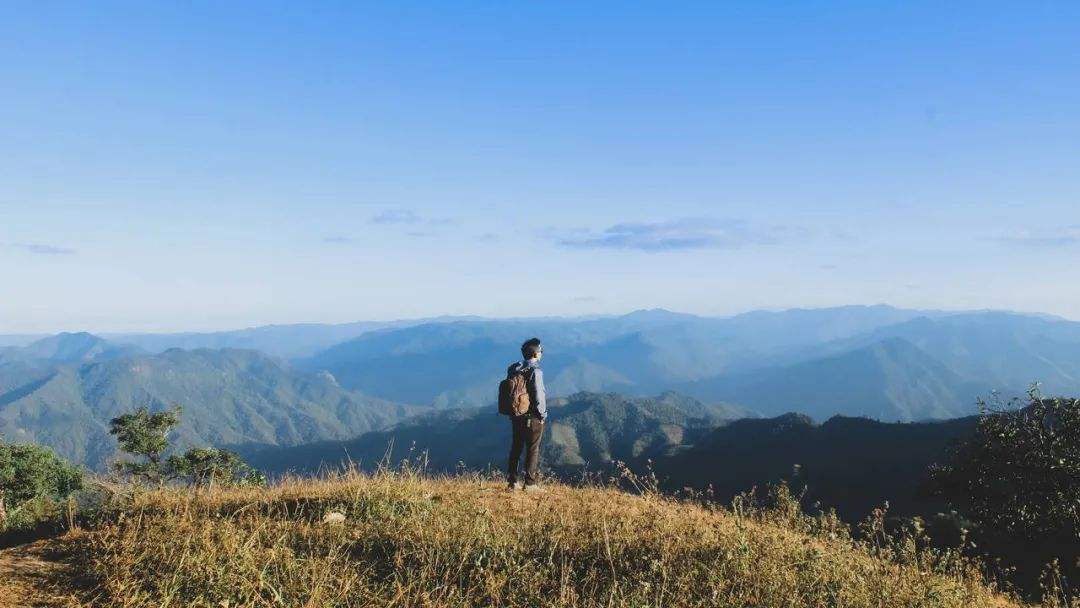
(1020, 472)
(207, 466)
(145, 435)
(1018, 479)
(30, 475)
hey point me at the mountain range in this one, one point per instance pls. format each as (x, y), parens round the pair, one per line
(873, 361)
(63, 390)
(296, 384)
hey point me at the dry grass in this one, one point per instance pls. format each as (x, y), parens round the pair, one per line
(38, 574)
(413, 541)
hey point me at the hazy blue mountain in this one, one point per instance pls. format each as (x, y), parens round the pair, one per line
(584, 429)
(778, 332)
(1003, 350)
(889, 380)
(72, 347)
(861, 360)
(457, 364)
(288, 341)
(229, 396)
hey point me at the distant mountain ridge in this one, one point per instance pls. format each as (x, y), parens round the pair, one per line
(62, 392)
(889, 380)
(74, 347)
(287, 341)
(900, 364)
(875, 361)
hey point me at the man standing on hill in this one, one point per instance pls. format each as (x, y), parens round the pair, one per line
(522, 397)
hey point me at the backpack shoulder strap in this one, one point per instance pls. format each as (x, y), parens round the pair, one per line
(518, 368)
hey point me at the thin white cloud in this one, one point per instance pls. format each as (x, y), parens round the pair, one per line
(396, 216)
(418, 225)
(1062, 237)
(43, 249)
(676, 235)
(339, 240)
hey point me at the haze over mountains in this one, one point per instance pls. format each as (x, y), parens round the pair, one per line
(62, 392)
(298, 384)
(874, 361)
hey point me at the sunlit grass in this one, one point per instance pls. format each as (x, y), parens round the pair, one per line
(410, 540)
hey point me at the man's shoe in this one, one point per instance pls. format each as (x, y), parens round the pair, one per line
(534, 487)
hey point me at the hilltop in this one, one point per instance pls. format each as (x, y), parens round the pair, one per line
(407, 540)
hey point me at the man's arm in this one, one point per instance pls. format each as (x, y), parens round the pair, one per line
(540, 393)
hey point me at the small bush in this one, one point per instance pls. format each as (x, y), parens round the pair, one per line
(1018, 479)
(32, 478)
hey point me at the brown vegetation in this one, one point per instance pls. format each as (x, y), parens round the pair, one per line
(408, 540)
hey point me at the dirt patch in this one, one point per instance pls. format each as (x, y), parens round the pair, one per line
(38, 575)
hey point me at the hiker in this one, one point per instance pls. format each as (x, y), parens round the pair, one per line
(522, 398)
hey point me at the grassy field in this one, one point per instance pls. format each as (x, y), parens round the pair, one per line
(408, 540)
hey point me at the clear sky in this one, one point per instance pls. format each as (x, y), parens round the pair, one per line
(204, 165)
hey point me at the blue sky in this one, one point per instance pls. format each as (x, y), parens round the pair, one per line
(203, 166)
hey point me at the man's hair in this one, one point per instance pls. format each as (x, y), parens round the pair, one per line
(531, 348)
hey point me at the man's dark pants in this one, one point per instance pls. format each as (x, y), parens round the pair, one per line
(528, 430)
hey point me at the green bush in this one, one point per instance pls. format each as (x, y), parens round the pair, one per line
(209, 466)
(31, 477)
(1020, 473)
(144, 435)
(1018, 479)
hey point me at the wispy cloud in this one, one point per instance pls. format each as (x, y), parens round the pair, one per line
(396, 216)
(1062, 237)
(675, 235)
(408, 217)
(404, 221)
(43, 249)
(418, 226)
(339, 240)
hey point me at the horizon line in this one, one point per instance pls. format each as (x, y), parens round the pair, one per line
(451, 318)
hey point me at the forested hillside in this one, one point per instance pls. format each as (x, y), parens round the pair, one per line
(62, 393)
(586, 430)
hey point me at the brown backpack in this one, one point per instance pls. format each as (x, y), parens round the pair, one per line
(514, 392)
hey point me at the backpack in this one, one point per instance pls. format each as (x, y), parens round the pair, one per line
(514, 392)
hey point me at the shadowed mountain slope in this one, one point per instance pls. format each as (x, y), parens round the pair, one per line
(888, 380)
(1003, 350)
(584, 429)
(852, 464)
